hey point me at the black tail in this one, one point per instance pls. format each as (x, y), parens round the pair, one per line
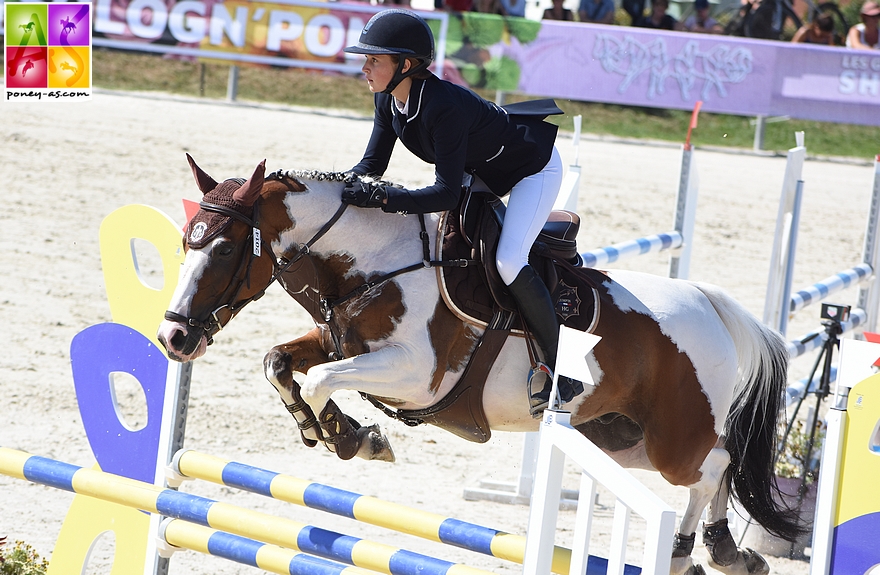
(751, 440)
(751, 427)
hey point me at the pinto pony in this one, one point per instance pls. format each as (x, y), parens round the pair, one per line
(687, 382)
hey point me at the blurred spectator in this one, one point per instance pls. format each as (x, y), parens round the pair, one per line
(516, 8)
(865, 36)
(700, 21)
(658, 18)
(458, 5)
(487, 6)
(819, 31)
(558, 12)
(397, 3)
(635, 9)
(596, 11)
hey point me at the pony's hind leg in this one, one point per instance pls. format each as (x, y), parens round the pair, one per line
(723, 552)
(701, 493)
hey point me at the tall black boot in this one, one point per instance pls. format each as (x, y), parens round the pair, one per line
(538, 312)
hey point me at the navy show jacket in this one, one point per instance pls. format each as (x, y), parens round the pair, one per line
(455, 130)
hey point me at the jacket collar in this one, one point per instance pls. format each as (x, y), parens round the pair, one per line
(414, 104)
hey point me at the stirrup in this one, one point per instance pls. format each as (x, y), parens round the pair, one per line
(540, 379)
(568, 389)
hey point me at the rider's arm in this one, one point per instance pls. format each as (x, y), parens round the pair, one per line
(381, 144)
(448, 129)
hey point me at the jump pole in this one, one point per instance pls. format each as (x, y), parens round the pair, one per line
(188, 464)
(678, 241)
(781, 302)
(224, 517)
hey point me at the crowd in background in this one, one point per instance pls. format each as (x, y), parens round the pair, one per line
(819, 29)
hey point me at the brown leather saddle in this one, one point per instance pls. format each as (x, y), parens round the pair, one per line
(476, 293)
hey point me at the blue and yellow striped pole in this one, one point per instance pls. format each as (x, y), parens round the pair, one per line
(431, 526)
(267, 557)
(225, 517)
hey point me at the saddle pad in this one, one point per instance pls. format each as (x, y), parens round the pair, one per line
(465, 292)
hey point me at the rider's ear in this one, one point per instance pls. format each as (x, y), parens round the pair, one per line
(205, 182)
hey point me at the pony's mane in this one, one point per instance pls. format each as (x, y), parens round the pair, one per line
(310, 175)
(317, 175)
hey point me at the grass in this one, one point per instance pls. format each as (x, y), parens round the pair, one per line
(145, 72)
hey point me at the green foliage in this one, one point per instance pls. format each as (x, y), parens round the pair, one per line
(482, 30)
(791, 460)
(22, 559)
(523, 29)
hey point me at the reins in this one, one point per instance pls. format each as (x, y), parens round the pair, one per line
(214, 323)
(426, 263)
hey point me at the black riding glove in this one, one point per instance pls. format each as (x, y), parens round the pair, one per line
(364, 194)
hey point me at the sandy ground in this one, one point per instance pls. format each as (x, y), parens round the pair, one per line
(63, 168)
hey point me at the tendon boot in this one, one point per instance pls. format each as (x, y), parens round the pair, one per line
(538, 312)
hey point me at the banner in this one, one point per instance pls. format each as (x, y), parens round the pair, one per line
(631, 66)
(279, 33)
(587, 62)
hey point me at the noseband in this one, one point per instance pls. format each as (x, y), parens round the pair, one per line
(214, 323)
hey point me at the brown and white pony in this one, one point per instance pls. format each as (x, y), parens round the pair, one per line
(700, 377)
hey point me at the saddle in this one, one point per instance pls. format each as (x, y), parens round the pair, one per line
(476, 294)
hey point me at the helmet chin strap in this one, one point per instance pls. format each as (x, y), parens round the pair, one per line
(397, 78)
(400, 75)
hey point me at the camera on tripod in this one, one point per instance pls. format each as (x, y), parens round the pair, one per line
(835, 313)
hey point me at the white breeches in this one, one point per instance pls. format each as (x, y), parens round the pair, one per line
(528, 206)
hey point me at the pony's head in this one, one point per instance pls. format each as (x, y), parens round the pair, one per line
(226, 265)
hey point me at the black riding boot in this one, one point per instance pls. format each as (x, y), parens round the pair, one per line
(538, 312)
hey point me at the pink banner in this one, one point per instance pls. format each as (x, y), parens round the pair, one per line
(588, 62)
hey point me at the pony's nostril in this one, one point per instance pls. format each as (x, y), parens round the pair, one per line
(178, 339)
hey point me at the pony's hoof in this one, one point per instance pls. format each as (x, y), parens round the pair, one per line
(685, 566)
(755, 563)
(374, 446)
(748, 562)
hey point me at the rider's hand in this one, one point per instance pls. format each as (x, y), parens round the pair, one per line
(364, 194)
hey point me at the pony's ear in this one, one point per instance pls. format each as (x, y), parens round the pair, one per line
(249, 191)
(205, 182)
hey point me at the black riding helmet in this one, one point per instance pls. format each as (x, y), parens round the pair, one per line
(398, 32)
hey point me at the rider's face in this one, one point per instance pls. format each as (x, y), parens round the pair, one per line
(378, 69)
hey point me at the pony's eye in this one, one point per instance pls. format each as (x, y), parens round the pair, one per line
(225, 249)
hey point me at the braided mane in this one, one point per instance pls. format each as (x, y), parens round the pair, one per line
(317, 175)
(310, 175)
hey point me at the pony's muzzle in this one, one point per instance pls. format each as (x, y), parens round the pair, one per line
(182, 341)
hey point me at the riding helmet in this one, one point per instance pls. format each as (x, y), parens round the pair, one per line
(399, 32)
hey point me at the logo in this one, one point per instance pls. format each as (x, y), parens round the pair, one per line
(198, 232)
(47, 51)
(568, 303)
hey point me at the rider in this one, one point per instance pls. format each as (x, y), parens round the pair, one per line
(457, 131)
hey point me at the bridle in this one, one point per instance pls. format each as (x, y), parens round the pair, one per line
(230, 304)
(213, 323)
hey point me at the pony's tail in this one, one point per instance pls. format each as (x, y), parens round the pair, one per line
(751, 427)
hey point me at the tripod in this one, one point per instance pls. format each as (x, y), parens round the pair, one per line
(833, 329)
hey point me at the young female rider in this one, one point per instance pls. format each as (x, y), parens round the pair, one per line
(457, 131)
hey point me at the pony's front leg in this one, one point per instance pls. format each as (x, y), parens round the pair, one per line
(338, 432)
(279, 364)
(391, 372)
